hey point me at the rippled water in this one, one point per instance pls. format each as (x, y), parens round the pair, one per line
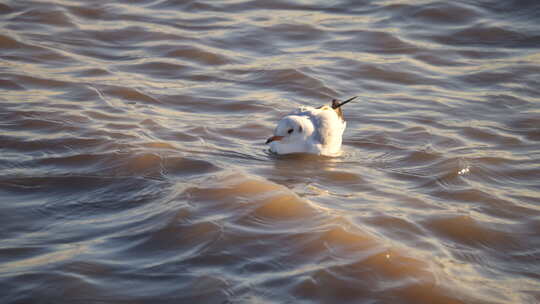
(133, 167)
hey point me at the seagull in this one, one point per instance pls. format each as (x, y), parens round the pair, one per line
(310, 130)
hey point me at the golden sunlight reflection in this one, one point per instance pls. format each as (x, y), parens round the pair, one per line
(63, 253)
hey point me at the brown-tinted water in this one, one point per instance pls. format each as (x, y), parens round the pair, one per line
(133, 167)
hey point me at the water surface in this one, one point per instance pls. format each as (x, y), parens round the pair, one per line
(133, 167)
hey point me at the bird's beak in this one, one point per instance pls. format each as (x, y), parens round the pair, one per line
(273, 138)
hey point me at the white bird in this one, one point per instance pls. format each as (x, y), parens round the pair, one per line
(310, 130)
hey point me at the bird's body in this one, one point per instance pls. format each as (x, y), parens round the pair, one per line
(310, 130)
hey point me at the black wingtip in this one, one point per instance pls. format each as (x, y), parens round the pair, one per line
(336, 105)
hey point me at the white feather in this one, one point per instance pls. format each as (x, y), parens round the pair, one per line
(314, 130)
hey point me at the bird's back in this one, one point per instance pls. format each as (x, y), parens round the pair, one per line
(329, 127)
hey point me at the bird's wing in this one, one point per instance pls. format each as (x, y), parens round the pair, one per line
(326, 122)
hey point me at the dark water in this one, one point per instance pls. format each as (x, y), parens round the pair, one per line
(133, 170)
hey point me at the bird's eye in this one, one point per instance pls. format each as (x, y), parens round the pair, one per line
(290, 131)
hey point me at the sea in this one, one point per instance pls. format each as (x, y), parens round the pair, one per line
(133, 164)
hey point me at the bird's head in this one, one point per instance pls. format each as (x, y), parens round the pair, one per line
(290, 129)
